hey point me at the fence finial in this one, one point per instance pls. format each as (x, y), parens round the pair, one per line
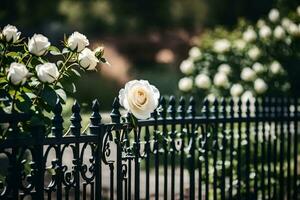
(57, 120)
(163, 112)
(95, 117)
(216, 107)
(115, 113)
(192, 107)
(172, 108)
(224, 105)
(75, 119)
(181, 107)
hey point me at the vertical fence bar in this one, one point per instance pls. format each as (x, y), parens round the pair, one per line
(281, 149)
(255, 157)
(239, 149)
(275, 114)
(207, 115)
(248, 150)
(268, 115)
(224, 144)
(296, 188)
(289, 147)
(165, 145)
(181, 111)
(147, 168)
(215, 148)
(231, 112)
(263, 149)
(75, 130)
(95, 129)
(172, 114)
(57, 130)
(115, 117)
(156, 155)
(192, 113)
(136, 146)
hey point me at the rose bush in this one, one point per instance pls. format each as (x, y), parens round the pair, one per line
(34, 74)
(252, 60)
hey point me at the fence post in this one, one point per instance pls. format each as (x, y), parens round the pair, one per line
(115, 116)
(38, 134)
(75, 130)
(96, 129)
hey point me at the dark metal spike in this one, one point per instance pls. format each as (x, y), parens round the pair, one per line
(95, 116)
(172, 107)
(181, 107)
(75, 119)
(115, 113)
(57, 120)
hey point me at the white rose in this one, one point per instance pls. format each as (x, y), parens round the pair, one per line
(211, 97)
(240, 44)
(11, 33)
(38, 44)
(279, 32)
(195, 53)
(221, 79)
(236, 90)
(265, 32)
(139, 98)
(185, 84)
(285, 22)
(202, 81)
(17, 73)
(247, 95)
(254, 53)
(187, 66)
(298, 10)
(87, 59)
(292, 29)
(260, 23)
(225, 68)
(248, 74)
(47, 72)
(260, 86)
(249, 35)
(275, 67)
(221, 46)
(77, 41)
(258, 67)
(274, 15)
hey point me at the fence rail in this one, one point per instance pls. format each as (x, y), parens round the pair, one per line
(222, 150)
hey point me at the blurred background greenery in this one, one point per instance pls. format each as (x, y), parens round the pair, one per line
(143, 39)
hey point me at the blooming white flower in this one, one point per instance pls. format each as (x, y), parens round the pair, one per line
(77, 41)
(275, 67)
(285, 22)
(254, 53)
(240, 44)
(221, 79)
(293, 29)
(11, 33)
(195, 53)
(185, 84)
(265, 32)
(87, 59)
(225, 68)
(38, 44)
(260, 86)
(274, 15)
(279, 32)
(139, 98)
(47, 72)
(248, 74)
(249, 35)
(211, 97)
(260, 23)
(247, 95)
(236, 90)
(258, 67)
(187, 66)
(221, 46)
(202, 81)
(17, 73)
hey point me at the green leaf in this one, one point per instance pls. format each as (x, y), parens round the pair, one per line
(54, 50)
(62, 94)
(76, 72)
(49, 96)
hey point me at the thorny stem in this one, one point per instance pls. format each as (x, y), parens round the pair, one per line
(61, 71)
(14, 101)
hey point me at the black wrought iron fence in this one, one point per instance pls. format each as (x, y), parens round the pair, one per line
(224, 150)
